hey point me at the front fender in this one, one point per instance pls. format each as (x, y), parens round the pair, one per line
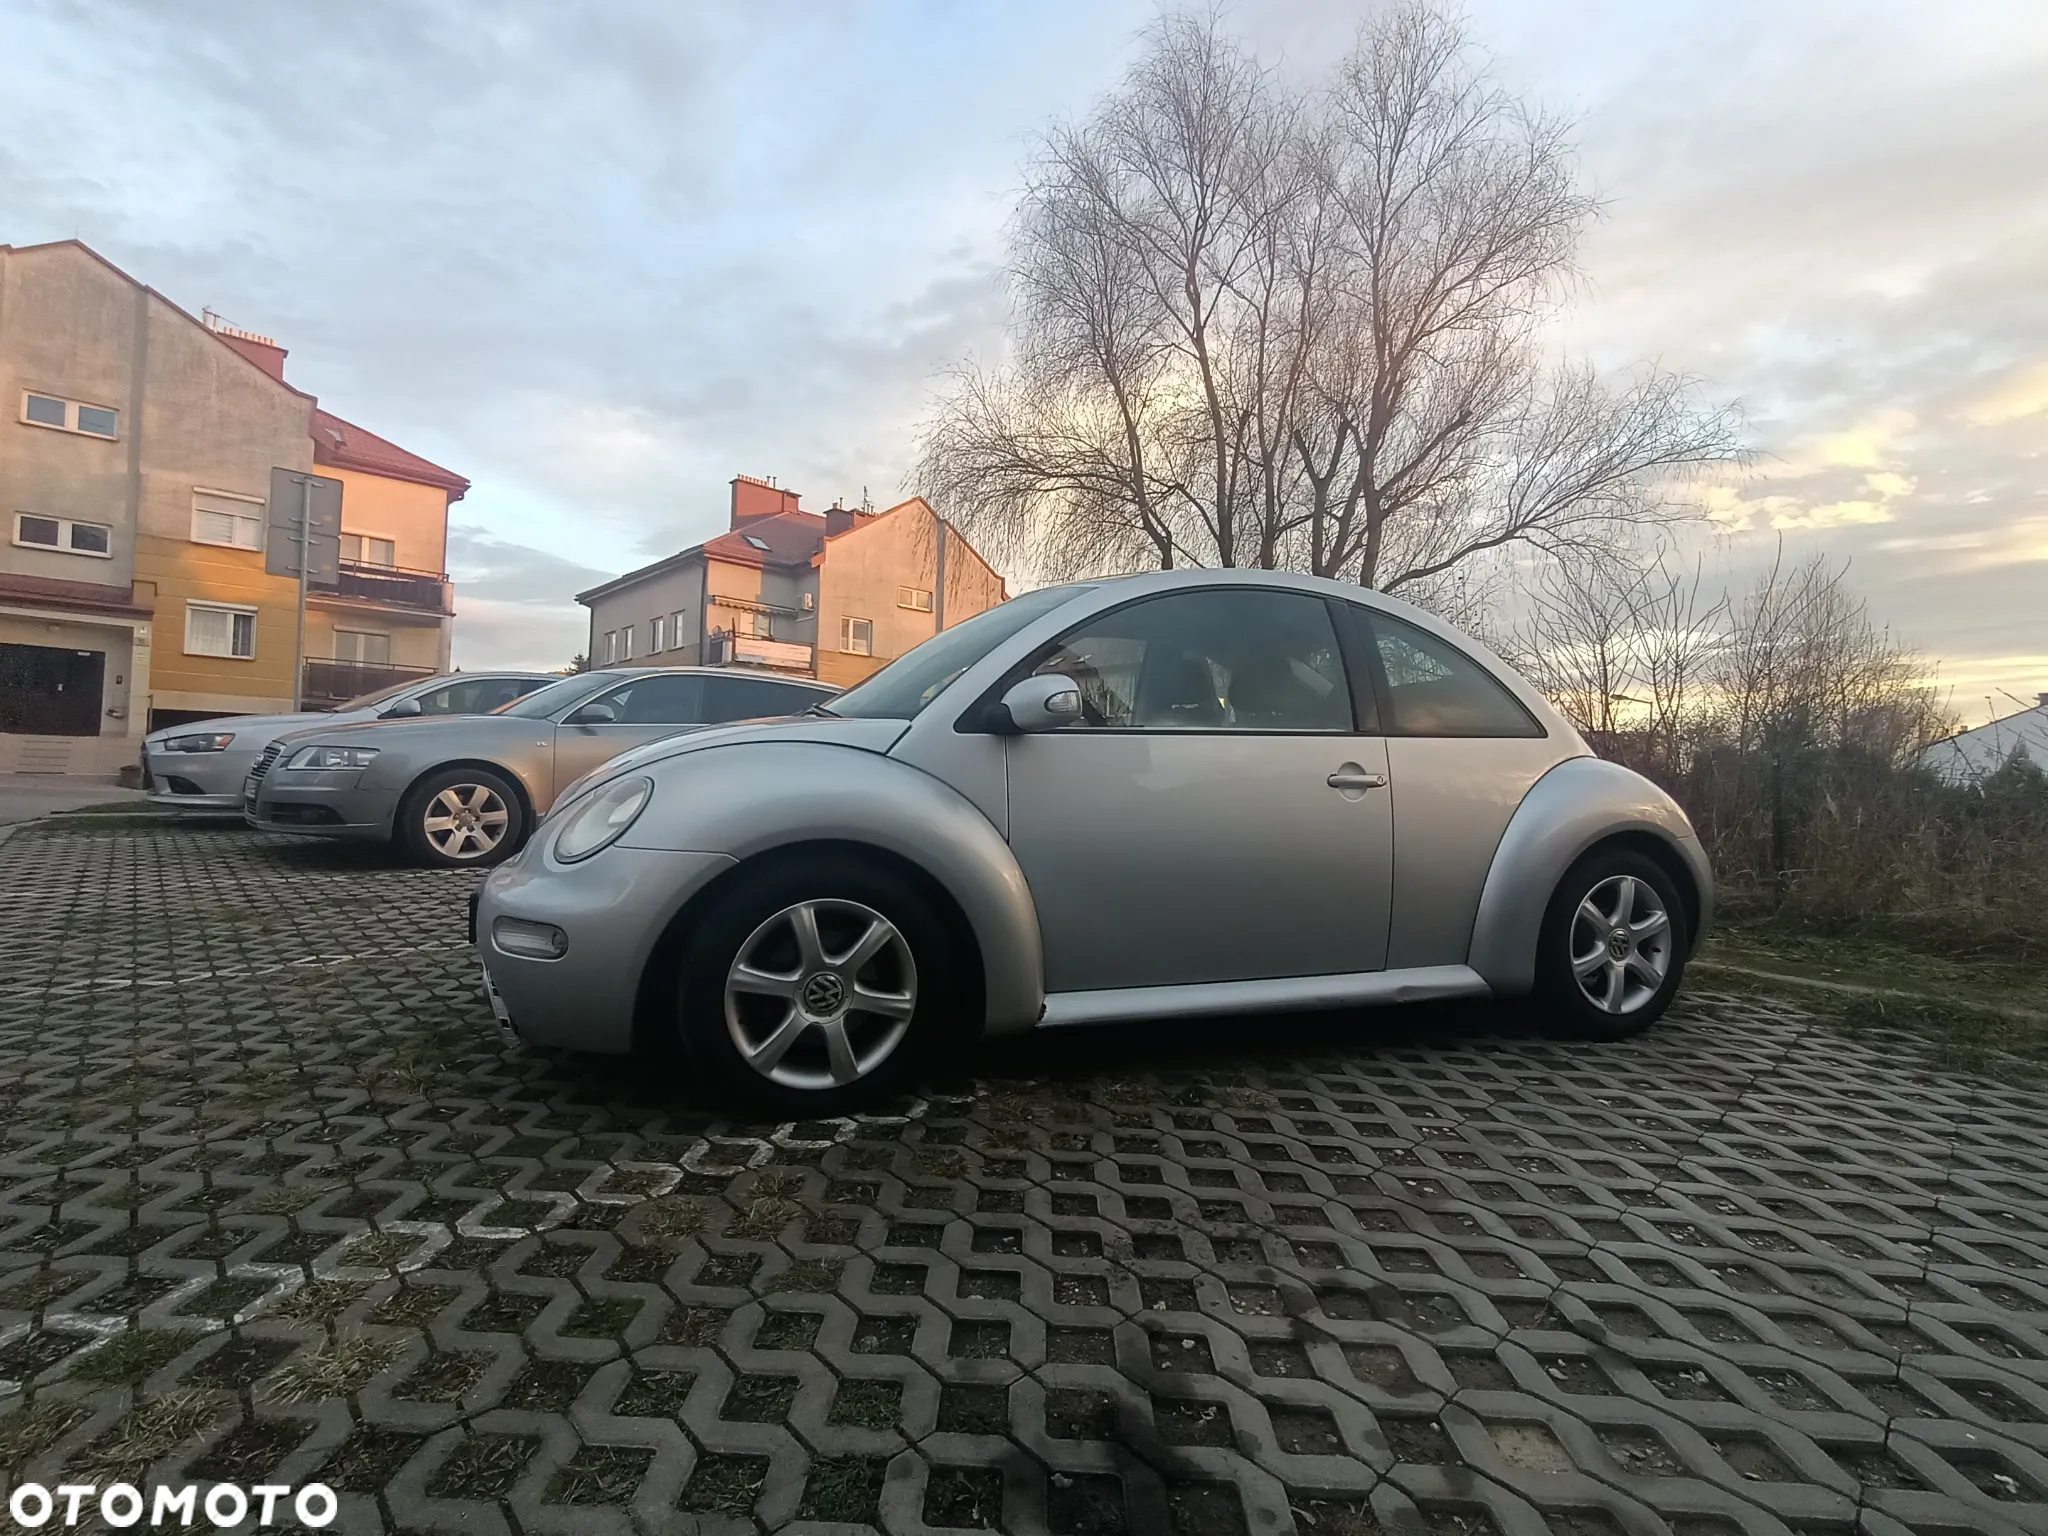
(753, 797)
(1580, 802)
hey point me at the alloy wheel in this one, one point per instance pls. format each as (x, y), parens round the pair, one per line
(1621, 944)
(466, 821)
(820, 994)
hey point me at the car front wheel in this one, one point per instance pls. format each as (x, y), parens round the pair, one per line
(1613, 945)
(814, 986)
(462, 818)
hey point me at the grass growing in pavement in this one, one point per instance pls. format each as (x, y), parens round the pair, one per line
(126, 1360)
(28, 1432)
(152, 1432)
(337, 1368)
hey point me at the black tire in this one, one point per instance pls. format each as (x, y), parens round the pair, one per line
(1565, 1001)
(488, 793)
(753, 915)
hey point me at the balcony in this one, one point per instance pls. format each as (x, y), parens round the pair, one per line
(327, 681)
(392, 586)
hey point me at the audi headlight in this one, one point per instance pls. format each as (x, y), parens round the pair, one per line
(332, 757)
(211, 741)
(601, 819)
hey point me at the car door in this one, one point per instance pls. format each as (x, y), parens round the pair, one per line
(1462, 751)
(1220, 812)
(644, 708)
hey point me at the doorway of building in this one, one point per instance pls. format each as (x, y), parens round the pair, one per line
(48, 690)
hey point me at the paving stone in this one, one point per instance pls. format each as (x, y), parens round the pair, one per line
(271, 1181)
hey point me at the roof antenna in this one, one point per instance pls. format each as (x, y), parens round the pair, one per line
(866, 505)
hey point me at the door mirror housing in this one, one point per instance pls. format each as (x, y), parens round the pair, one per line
(404, 709)
(595, 714)
(1036, 704)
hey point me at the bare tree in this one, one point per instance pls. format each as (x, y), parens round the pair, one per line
(1304, 330)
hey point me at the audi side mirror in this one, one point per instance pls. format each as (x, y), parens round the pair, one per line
(1036, 704)
(595, 714)
(404, 709)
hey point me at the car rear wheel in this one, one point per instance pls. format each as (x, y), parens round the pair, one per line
(815, 986)
(462, 818)
(1613, 945)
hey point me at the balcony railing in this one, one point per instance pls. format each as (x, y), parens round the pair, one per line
(328, 681)
(393, 586)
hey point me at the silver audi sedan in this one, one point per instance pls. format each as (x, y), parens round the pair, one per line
(464, 793)
(1157, 796)
(201, 766)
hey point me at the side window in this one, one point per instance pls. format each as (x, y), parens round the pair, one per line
(1232, 659)
(1435, 689)
(752, 698)
(467, 698)
(659, 700)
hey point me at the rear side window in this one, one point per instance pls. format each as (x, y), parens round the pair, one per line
(754, 698)
(676, 699)
(1435, 689)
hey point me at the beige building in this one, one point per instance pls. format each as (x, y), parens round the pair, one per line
(136, 445)
(832, 595)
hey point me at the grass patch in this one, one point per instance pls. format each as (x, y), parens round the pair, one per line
(671, 1218)
(35, 1294)
(283, 1199)
(337, 1368)
(380, 1250)
(1981, 1014)
(868, 1404)
(30, 1431)
(320, 1302)
(128, 1359)
(152, 1432)
(808, 1277)
(763, 1216)
(600, 1474)
(725, 1485)
(845, 1489)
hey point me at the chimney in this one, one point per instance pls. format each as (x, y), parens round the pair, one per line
(260, 350)
(838, 518)
(2043, 697)
(754, 498)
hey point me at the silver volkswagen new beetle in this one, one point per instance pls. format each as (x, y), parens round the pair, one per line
(1154, 796)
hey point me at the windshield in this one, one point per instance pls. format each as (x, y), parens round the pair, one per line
(543, 702)
(376, 697)
(914, 679)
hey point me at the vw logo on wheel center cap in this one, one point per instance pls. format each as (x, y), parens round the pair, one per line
(1618, 943)
(823, 994)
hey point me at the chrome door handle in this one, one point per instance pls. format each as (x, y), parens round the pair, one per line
(1349, 777)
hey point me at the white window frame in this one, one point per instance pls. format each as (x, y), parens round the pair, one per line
(254, 516)
(71, 410)
(916, 599)
(626, 642)
(363, 540)
(856, 636)
(63, 546)
(192, 607)
(655, 636)
(364, 634)
(675, 630)
(611, 646)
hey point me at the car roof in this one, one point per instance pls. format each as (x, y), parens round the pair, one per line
(623, 673)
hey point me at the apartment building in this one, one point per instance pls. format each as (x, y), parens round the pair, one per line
(833, 595)
(136, 444)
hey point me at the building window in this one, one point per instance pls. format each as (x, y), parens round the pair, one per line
(362, 549)
(915, 598)
(857, 637)
(626, 643)
(226, 519)
(675, 631)
(70, 415)
(214, 629)
(611, 646)
(362, 645)
(654, 635)
(62, 533)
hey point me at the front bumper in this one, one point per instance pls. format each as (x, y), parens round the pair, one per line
(613, 908)
(197, 781)
(323, 804)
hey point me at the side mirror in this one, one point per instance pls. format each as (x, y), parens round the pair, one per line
(1043, 703)
(404, 709)
(595, 714)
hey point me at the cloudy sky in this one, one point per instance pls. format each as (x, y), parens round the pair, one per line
(600, 258)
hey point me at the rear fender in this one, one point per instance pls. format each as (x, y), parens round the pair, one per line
(1582, 802)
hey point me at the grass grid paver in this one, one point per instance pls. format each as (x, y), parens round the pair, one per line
(278, 1203)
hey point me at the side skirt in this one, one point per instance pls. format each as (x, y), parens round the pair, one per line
(1283, 994)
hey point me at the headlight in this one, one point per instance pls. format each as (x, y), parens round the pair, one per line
(599, 821)
(212, 741)
(332, 757)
